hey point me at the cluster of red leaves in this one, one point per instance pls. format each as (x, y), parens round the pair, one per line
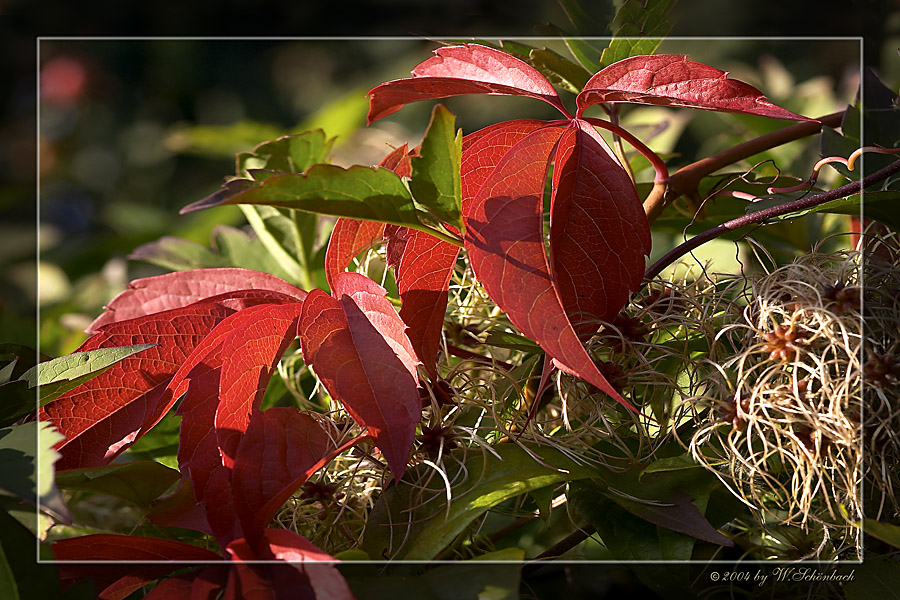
(221, 332)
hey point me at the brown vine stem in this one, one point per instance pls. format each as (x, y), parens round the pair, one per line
(686, 179)
(768, 213)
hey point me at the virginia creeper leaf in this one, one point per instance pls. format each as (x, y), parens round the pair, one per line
(62, 374)
(422, 266)
(599, 233)
(483, 149)
(279, 451)
(373, 194)
(325, 579)
(465, 69)
(117, 581)
(411, 520)
(103, 416)
(504, 237)
(304, 574)
(358, 350)
(348, 238)
(251, 354)
(638, 28)
(673, 80)
(435, 172)
(174, 290)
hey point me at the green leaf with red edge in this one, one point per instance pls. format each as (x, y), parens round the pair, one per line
(151, 295)
(599, 233)
(251, 354)
(355, 343)
(351, 236)
(279, 451)
(673, 80)
(118, 581)
(422, 266)
(504, 237)
(465, 69)
(435, 172)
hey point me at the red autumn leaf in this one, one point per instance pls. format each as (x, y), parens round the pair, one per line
(180, 509)
(483, 149)
(105, 415)
(504, 237)
(117, 581)
(304, 574)
(280, 450)
(599, 233)
(422, 266)
(174, 290)
(250, 355)
(673, 80)
(465, 69)
(358, 350)
(348, 238)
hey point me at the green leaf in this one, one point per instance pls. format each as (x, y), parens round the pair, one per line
(558, 70)
(585, 23)
(435, 182)
(368, 193)
(7, 581)
(638, 28)
(674, 463)
(466, 580)
(16, 401)
(340, 118)
(139, 482)
(628, 537)
(178, 254)
(412, 520)
(26, 460)
(280, 234)
(62, 374)
(876, 578)
(247, 251)
(219, 140)
(160, 444)
(512, 341)
(33, 579)
(882, 206)
(885, 532)
(287, 154)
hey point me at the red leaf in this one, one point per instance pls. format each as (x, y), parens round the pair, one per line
(180, 509)
(174, 290)
(250, 356)
(117, 581)
(280, 450)
(599, 233)
(422, 266)
(504, 237)
(305, 574)
(106, 414)
(673, 80)
(348, 238)
(483, 149)
(466, 69)
(359, 352)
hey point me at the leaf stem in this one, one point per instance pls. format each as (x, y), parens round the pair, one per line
(685, 180)
(662, 171)
(447, 237)
(768, 213)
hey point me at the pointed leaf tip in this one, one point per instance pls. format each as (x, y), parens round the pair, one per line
(673, 80)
